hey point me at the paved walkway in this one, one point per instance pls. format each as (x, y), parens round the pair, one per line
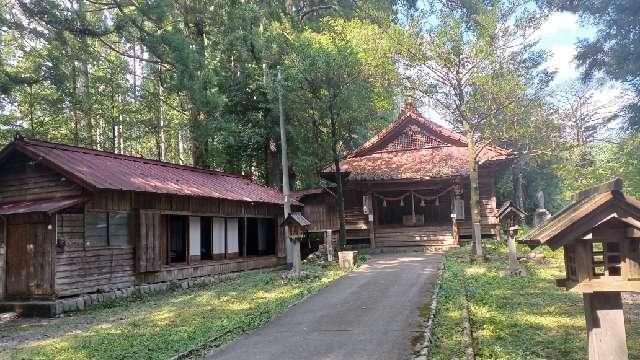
(372, 313)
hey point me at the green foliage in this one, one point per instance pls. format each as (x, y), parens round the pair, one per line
(163, 325)
(194, 80)
(614, 44)
(512, 317)
(603, 161)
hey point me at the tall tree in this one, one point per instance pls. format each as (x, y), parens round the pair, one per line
(474, 61)
(343, 75)
(613, 51)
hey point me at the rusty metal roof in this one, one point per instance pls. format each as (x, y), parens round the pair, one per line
(40, 206)
(101, 170)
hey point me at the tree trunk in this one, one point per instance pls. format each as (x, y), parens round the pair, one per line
(162, 146)
(518, 179)
(342, 239)
(476, 230)
(180, 145)
(273, 167)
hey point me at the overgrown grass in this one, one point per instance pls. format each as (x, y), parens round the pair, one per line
(163, 325)
(513, 317)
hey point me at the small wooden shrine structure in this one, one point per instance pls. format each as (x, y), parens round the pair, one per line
(403, 185)
(297, 225)
(510, 218)
(600, 235)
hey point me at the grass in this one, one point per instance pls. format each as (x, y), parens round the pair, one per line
(163, 325)
(512, 317)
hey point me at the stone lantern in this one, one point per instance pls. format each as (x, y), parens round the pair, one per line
(600, 235)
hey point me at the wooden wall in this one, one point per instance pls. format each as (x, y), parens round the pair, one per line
(81, 269)
(21, 179)
(320, 209)
(3, 251)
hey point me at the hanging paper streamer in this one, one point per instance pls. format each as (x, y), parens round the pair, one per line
(422, 198)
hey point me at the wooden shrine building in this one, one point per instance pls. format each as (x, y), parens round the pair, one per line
(403, 185)
(76, 221)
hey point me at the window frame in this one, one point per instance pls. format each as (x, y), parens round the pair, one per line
(108, 214)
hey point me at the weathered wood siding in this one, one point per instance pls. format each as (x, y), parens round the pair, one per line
(118, 200)
(29, 257)
(320, 209)
(81, 269)
(94, 270)
(3, 252)
(148, 246)
(208, 268)
(22, 179)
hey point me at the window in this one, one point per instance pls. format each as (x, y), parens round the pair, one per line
(104, 228)
(178, 235)
(606, 258)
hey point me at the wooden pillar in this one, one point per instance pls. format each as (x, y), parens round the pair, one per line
(605, 326)
(244, 238)
(226, 240)
(455, 232)
(328, 244)
(513, 256)
(3, 251)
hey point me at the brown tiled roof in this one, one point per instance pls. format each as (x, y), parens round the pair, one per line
(445, 157)
(409, 112)
(100, 170)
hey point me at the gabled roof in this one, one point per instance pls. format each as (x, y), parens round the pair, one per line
(509, 206)
(298, 218)
(409, 114)
(591, 208)
(101, 170)
(414, 148)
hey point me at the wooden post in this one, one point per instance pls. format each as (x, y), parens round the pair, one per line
(285, 176)
(328, 244)
(296, 256)
(513, 256)
(454, 232)
(605, 326)
(244, 238)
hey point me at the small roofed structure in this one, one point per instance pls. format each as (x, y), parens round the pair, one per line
(510, 215)
(600, 235)
(297, 225)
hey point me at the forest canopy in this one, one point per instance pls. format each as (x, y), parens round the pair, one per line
(195, 82)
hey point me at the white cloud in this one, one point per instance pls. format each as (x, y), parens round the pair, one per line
(558, 23)
(561, 60)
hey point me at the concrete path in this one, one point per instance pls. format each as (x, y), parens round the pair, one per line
(372, 313)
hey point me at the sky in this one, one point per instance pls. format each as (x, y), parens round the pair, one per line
(558, 35)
